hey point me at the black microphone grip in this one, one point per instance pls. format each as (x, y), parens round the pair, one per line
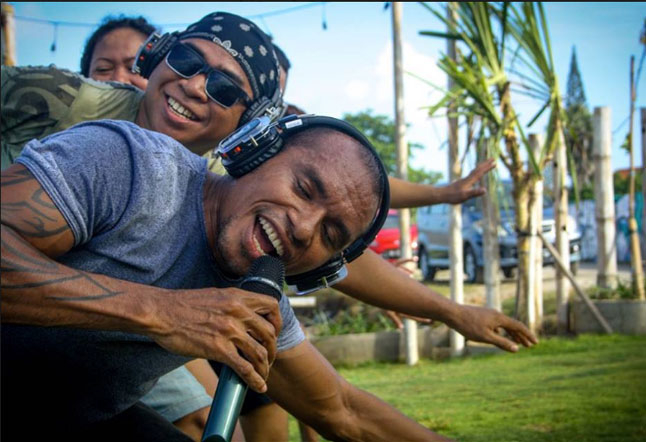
(266, 276)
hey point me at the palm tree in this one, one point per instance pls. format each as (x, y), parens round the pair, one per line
(484, 89)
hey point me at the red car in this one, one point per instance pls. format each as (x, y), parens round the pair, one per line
(386, 242)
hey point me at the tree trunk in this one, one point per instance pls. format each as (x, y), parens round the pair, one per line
(521, 199)
(491, 220)
(521, 202)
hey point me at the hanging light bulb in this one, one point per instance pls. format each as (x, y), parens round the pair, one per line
(53, 46)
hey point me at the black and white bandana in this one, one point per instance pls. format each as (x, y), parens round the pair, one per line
(246, 43)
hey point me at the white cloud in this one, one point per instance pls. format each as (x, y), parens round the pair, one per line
(418, 95)
(357, 90)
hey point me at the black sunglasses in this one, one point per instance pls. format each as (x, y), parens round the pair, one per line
(187, 63)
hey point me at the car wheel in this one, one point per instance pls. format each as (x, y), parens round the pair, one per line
(428, 272)
(509, 272)
(472, 272)
(574, 267)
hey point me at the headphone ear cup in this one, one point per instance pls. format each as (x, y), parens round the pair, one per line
(152, 52)
(245, 165)
(273, 107)
(256, 109)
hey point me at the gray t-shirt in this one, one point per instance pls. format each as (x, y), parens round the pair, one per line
(141, 219)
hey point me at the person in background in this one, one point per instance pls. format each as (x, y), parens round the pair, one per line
(110, 51)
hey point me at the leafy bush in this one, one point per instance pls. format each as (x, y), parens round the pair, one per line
(623, 291)
(353, 320)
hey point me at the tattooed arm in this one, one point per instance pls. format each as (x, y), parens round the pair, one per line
(208, 323)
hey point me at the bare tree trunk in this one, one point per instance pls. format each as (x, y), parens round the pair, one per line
(521, 199)
(562, 236)
(491, 220)
(635, 251)
(455, 232)
(604, 196)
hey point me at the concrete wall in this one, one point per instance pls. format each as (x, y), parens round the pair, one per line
(627, 317)
(382, 346)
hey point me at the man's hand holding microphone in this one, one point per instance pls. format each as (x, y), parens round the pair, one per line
(266, 276)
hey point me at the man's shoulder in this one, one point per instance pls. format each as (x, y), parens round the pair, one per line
(120, 134)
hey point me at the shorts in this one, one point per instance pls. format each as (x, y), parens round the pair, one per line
(252, 399)
(177, 394)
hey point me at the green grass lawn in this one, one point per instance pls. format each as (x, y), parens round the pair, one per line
(589, 388)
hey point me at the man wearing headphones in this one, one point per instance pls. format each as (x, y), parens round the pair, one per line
(204, 82)
(106, 284)
(199, 110)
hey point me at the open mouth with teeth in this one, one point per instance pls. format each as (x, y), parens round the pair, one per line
(180, 110)
(266, 239)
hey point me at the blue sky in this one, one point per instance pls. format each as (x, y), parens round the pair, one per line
(347, 67)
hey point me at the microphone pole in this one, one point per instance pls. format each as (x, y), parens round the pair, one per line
(266, 276)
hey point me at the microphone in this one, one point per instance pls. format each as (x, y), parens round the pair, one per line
(266, 276)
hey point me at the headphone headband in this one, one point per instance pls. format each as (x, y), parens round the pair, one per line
(256, 142)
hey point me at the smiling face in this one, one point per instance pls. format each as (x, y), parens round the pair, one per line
(113, 56)
(180, 108)
(301, 206)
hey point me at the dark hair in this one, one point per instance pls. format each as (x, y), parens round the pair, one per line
(109, 24)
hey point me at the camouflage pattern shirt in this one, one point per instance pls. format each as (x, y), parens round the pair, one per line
(41, 100)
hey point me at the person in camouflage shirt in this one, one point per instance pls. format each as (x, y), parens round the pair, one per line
(38, 101)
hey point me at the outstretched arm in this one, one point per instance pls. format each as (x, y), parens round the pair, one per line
(304, 383)
(374, 281)
(209, 323)
(406, 194)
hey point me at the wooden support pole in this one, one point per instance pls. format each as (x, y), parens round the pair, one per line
(643, 131)
(566, 271)
(410, 326)
(562, 235)
(535, 273)
(491, 221)
(604, 196)
(8, 35)
(635, 251)
(456, 265)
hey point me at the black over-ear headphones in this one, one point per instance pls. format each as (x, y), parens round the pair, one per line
(155, 48)
(257, 141)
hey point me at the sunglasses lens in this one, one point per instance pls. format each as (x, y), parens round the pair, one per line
(222, 90)
(184, 61)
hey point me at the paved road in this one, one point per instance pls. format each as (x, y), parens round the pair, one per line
(586, 277)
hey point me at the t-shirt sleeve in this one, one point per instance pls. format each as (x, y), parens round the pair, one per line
(291, 334)
(34, 99)
(77, 169)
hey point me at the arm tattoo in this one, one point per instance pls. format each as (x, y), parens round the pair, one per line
(38, 221)
(36, 218)
(15, 260)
